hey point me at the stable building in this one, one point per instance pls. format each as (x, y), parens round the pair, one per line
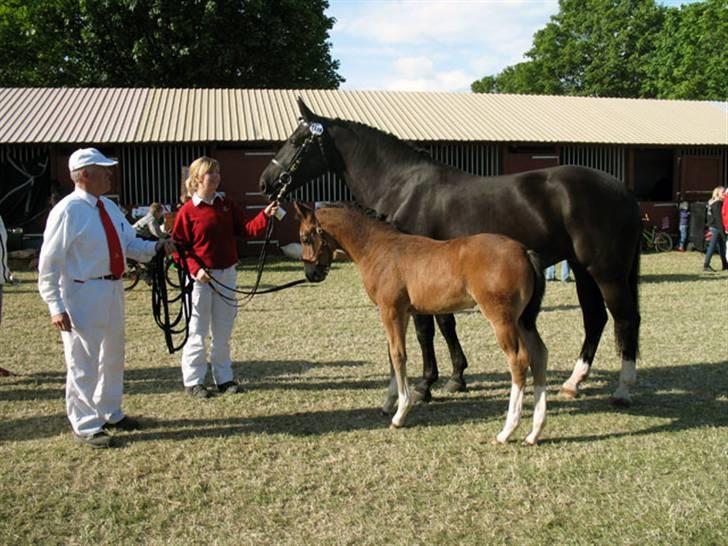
(663, 151)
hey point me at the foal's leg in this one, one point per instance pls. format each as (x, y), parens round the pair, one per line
(595, 318)
(395, 325)
(506, 332)
(456, 383)
(425, 327)
(538, 359)
(390, 401)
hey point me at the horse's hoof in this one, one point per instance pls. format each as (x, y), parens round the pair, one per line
(620, 402)
(455, 385)
(529, 443)
(421, 396)
(496, 442)
(567, 391)
(392, 426)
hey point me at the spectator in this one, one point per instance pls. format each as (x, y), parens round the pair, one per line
(149, 226)
(717, 230)
(551, 272)
(81, 263)
(684, 212)
(4, 276)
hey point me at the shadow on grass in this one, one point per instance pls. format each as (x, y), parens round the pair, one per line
(681, 277)
(690, 396)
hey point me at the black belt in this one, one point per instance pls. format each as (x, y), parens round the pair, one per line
(104, 278)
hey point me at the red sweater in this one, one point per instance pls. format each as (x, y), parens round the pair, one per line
(210, 231)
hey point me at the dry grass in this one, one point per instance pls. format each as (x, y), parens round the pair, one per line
(304, 457)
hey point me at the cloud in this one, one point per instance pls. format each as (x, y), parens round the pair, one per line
(429, 44)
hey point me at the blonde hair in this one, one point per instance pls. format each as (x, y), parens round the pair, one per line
(717, 194)
(199, 168)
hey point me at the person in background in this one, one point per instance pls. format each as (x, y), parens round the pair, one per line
(717, 230)
(4, 277)
(207, 224)
(551, 272)
(684, 214)
(149, 226)
(81, 263)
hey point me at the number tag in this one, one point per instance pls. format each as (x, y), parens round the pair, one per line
(316, 129)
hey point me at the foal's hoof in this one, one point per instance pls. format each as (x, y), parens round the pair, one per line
(392, 426)
(568, 391)
(419, 395)
(455, 385)
(529, 443)
(620, 402)
(496, 442)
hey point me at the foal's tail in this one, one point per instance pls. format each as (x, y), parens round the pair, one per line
(530, 313)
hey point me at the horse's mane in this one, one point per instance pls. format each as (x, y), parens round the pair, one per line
(353, 205)
(400, 149)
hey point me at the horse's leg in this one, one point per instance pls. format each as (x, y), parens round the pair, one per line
(506, 332)
(395, 325)
(391, 398)
(595, 318)
(538, 362)
(425, 327)
(625, 312)
(456, 383)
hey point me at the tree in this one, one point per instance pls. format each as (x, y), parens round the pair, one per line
(625, 48)
(690, 60)
(167, 43)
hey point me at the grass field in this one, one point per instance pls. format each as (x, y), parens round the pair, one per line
(304, 456)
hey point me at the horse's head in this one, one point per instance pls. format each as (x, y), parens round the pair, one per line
(318, 246)
(302, 157)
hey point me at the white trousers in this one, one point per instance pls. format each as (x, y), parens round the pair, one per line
(94, 351)
(213, 316)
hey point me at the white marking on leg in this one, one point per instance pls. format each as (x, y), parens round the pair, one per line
(404, 403)
(627, 379)
(391, 398)
(515, 404)
(580, 373)
(539, 414)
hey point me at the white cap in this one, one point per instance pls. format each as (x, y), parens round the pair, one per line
(83, 157)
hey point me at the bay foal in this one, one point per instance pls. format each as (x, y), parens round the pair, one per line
(406, 274)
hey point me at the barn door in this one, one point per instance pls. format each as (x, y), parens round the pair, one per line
(698, 176)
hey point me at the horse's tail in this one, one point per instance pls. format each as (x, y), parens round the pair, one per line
(530, 313)
(628, 336)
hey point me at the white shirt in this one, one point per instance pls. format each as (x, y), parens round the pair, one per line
(4, 270)
(196, 199)
(75, 247)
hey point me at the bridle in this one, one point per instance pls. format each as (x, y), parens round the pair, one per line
(285, 178)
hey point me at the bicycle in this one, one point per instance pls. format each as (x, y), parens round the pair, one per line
(136, 271)
(653, 239)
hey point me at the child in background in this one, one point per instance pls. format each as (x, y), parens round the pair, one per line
(684, 213)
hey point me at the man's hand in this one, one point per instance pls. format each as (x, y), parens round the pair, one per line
(62, 321)
(202, 276)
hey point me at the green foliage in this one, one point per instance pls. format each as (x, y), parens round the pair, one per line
(624, 48)
(155, 43)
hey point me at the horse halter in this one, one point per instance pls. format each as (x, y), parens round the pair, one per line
(285, 179)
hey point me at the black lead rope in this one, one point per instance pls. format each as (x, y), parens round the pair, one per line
(160, 297)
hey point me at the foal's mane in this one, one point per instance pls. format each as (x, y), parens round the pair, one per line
(353, 205)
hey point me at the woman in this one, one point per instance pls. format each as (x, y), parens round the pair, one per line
(207, 224)
(717, 230)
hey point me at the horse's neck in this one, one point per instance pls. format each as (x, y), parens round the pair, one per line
(355, 233)
(374, 165)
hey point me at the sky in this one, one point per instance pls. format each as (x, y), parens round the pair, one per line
(433, 45)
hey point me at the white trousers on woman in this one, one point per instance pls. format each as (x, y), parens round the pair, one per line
(94, 351)
(214, 316)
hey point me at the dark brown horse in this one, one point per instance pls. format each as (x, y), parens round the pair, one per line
(406, 274)
(582, 215)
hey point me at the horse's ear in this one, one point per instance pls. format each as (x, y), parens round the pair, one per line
(307, 114)
(302, 211)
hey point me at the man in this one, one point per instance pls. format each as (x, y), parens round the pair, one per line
(4, 277)
(82, 258)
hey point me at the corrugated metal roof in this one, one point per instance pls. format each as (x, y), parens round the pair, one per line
(30, 115)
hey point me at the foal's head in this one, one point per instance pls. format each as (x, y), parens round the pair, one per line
(318, 246)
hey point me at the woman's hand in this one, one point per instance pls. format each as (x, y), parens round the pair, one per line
(271, 209)
(202, 276)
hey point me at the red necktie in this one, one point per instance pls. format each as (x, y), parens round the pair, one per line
(116, 256)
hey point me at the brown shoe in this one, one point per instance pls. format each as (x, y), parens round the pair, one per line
(100, 440)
